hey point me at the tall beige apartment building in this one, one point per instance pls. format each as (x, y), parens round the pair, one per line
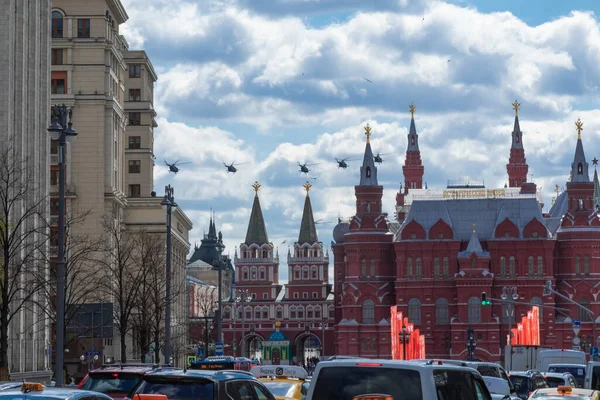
(24, 116)
(110, 167)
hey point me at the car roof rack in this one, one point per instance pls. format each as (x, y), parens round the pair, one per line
(233, 371)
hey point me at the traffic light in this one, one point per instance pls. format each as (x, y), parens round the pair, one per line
(484, 300)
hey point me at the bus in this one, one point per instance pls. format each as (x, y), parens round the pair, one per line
(224, 362)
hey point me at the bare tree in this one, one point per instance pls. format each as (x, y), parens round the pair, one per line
(121, 276)
(23, 239)
(202, 329)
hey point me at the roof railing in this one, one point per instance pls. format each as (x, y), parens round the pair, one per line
(233, 371)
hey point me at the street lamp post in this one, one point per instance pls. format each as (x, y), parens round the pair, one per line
(61, 130)
(221, 264)
(404, 338)
(168, 202)
(323, 326)
(509, 296)
(206, 319)
(243, 297)
(471, 343)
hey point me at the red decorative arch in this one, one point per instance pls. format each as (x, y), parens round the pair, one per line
(441, 230)
(506, 229)
(413, 231)
(535, 229)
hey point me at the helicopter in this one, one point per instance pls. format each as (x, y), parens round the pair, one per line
(173, 167)
(342, 162)
(231, 167)
(377, 158)
(304, 167)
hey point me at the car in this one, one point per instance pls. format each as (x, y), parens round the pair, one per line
(178, 384)
(284, 382)
(119, 379)
(349, 379)
(563, 392)
(10, 385)
(36, 391)
(526, 382)
(556, 379)
(577, 370)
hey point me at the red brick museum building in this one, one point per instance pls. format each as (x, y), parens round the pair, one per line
(444, 247)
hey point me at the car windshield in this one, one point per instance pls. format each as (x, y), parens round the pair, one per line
(111, 383)
(283, 389)
(176, 388)
(344, 383)
(554, 381)
(520, 383)
(454, 384)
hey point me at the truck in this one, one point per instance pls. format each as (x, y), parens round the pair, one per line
(522, 357)
(559, 357)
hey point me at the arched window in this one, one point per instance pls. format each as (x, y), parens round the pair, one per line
(297, 273)
(248, 312)
(577, 266)
(300, 311)
(419, 268)
(446, 268)
(582, 314)
(530, 266)
(238, 313)
(441, 311)
(317, 310)
(314, 272)
(253, 271)
(257, 311)
(512, 267)
(409, 271)
(363, 267)
(436, 268)
(262, 273)
(279, 312)
(586, 267)
(502, 267)
(580, 203)
(245, 273)
(474, 310)
(330, 310)
(368, 172)
(305, 273)
(57, 24)
(414, 311)
(265, 312)
(309, 312)
(579, 169)
(293, 312)
(540, 261)
(372, 271)
(368, 312)
(536, 301)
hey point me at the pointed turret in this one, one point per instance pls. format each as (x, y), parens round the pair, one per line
(212, 230)
(308, 231)
(517, 167)
(368, 171)
(579, 168)
(596, 184)
(413, 169)
(474, 245)
(257, 231)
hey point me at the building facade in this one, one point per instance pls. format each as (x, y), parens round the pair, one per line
(279, 324)
(110, 167)
(446, 246)
(24, 117)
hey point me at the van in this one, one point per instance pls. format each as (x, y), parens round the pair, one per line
(559, 356)
(400, 380)
(577, 370)
(592, 375)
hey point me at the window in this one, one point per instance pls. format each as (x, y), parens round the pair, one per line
(309, 312)
(245, 274)
(315, 295)
(446, 267)
(512, 267)
(368, 312)
(54, 236)
(135, 94)
(57, 24)
(83, 28)
(577, 266)
(436, 268)
(419, 268)
(257, 313)
(502, 267)
(540, 262)
(58, 86)
(582, 314)
(134, 118)
(297, 273)
(265, 313)
(414, 311)
(262, 273)
(536, 301)
(300, 313)
(54, 172)
(363, 267)
(261, 394)
(135, 142)
(293, 313)
(579, 169)
(368, 345)
(279, 313)
(474, 310)
(409, 268)
(265, 296)
(135, 71)
(253, 296)
(305, 273)
(372, 271)
(441, 311)
(54, 207)
(314, 273)
(57, 56)
(586, 267)
(530, 266)
(317, 312)
(248, 312)
(53, 146)
(368, 172)
(253, 272)
(134, 191)
(305, 295)
(296, 295)
(134, 166)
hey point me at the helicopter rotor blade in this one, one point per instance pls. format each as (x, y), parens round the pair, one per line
(187, 162)
(242, 163)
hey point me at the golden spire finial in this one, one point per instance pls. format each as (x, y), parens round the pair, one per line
(579, 128)
(516, 106)
(412, 110)
(473, 227)
(307, 187)
(368, 133)
(256, 186)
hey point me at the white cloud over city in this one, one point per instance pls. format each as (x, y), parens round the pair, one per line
(274, 83)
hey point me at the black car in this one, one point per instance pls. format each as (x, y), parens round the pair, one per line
(203, 384)
(527, 382)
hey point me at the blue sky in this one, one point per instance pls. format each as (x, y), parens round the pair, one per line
(276, 82)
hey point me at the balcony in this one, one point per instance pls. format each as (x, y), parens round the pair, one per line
(266, 260)
(321, 259)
